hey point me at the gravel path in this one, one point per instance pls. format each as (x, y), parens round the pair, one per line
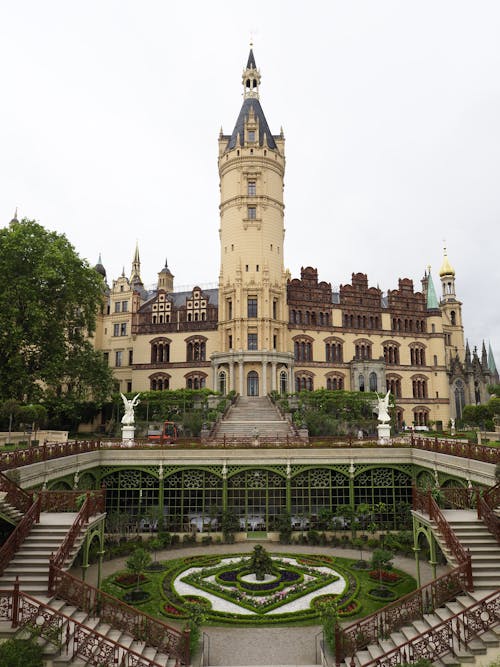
(274, 646)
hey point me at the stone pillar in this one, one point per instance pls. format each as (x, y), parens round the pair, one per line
(240, 371)
(273, 376)
(231, 380)
(215, 368)
(264, 378)
(128, 432)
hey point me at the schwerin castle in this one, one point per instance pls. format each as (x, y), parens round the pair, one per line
(263, 330)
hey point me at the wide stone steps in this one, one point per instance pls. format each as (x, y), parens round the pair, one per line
(251, 417)
(31, 562)
(7, 511)
(485, 557)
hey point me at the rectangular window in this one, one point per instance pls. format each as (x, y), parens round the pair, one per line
(130, 359)
(251, 135)
(123, 329)
(117, 306)
(230, 342)
(124, 306)
(106, 358)
(118, 358)
(229, 309)
(252, 188)
(116, 329)
(252, 341)
(252, 306)
(252, 212)
(275, 342)
(275, 309)
(257, 268)
(129, 386)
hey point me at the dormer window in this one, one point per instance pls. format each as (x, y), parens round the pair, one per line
(251, 136)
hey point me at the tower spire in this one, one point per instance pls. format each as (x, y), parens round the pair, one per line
(251, 77)
(135, 275)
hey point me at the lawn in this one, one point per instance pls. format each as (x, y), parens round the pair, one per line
(353, 602)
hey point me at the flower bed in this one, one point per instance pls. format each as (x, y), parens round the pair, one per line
(128, 580)
(385, 577)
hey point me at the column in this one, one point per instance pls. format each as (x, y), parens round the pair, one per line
(214, 376)
(264, 378)
(273, 376)
(231, 380)
(240, 371)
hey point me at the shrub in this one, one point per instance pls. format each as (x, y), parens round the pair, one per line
(21, 653)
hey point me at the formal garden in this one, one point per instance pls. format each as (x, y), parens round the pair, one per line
(258, 588)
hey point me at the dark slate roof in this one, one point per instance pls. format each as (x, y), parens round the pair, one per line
(251, 61)
(251, 102)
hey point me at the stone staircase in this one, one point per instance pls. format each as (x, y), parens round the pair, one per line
(31, 566)
(31, 562)
(485, 557)
(252, 416)
(7, 511)
(483, 547)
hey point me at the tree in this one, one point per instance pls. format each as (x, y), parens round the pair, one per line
(260, 562)
(48, 304)
(230, 524)
(137, 563)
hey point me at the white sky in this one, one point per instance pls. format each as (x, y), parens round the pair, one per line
(391, 110)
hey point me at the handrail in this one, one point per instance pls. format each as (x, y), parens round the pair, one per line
(25, 610)
(119, 614)
(396, 614)
(19, 534)
(94, 504)
(485, 505)
(450, 634)
(46, 452)
(468, 450)
(15, 495)
(424, 501)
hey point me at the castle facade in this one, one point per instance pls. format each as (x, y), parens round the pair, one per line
(263, 330)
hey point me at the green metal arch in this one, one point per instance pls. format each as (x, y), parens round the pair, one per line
(306, 468)
(281, 473)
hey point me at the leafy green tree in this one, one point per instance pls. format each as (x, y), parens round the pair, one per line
(48, 306)
(137, 563)
(285, 527)
(478, 415)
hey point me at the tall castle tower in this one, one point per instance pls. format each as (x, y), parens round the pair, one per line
(252, 281)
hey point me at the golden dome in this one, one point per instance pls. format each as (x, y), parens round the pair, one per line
(446, 268)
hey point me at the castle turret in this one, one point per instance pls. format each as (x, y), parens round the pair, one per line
(252, 281)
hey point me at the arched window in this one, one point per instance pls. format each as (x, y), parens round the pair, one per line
(373, 381)
(417, 355)
(335, 382)
(393, 384)
(363, 349)
(196, 349)
(304, 381)
(391, 353)
(303, 348)
(159, 381)
(419, 386)
(361, 382)
(283, 382)
(459, 392)
(160, 350)
(453, 317)
(222, 382)
(195, 380)
(333, 351)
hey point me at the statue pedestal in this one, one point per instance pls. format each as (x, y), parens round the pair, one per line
(128, 432)
(384, 434)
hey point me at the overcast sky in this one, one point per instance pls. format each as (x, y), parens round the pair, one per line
(391, 111)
